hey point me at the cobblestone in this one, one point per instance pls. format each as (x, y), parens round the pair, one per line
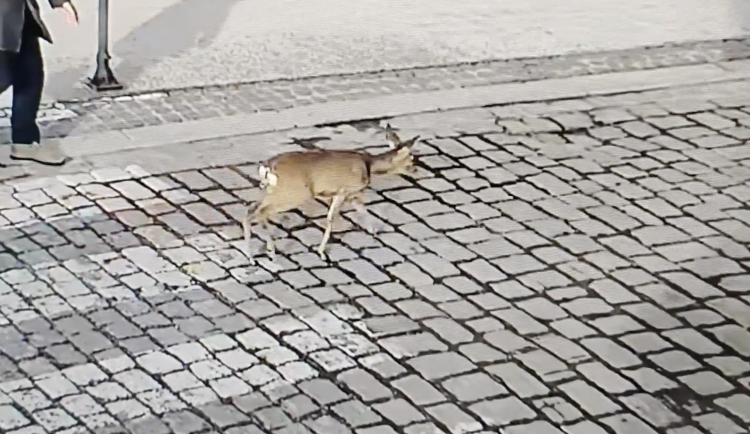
(132, 111)
(517, 287)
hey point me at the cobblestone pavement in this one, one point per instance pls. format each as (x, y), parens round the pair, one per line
(580, 270)
(124, 112)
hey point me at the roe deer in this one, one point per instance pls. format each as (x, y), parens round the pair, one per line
(292, 178)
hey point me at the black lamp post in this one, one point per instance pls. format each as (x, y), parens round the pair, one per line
(103, 78)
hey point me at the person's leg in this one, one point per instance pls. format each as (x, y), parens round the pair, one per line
(28, 84)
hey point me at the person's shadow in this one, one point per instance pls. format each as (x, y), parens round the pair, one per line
(178, 28)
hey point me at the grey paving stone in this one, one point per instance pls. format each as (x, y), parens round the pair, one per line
(591, 273)
(589, 399)
(365, 385)
(452, 416)
(502, 411)
(10, 418)
(356, 414)
(399, 412)
(474, 387)
(715, 422)
(706, 383)
(322, 391)
(627, 423)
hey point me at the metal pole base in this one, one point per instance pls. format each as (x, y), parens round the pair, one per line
(103, 79)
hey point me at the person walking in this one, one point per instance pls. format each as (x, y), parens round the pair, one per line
(22, 67)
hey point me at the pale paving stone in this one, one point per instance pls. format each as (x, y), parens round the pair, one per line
(158, 363)
(10, 418)
(596, 270)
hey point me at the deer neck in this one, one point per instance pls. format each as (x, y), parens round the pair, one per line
(381, 163)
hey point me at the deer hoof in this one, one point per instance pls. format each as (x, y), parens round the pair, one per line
(271, 253)
(271, 249)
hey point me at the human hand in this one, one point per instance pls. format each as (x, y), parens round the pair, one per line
(71, 14)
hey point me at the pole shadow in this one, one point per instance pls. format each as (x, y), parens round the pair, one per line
(180, 27)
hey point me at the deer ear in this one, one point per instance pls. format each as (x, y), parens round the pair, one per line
(407, 145)
(262, 171)
(391, 137)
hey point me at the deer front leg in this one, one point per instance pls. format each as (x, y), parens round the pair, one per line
(247, 223)
(261, 215)
(270, 242)
(358, 202)
(332, 212)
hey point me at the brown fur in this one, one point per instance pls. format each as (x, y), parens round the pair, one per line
(293, 178)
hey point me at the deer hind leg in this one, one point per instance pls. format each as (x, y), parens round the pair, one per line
(333, 210)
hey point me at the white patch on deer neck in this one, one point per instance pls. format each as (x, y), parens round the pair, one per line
(392, 144)
(266, 177)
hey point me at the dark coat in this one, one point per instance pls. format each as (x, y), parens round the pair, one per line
(12, 15)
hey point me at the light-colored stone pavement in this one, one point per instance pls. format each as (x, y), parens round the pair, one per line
(578, 266)
(128, 111)
(159, 44)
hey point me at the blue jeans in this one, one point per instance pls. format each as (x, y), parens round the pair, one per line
(25, 72)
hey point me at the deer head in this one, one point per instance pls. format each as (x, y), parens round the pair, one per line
(399, 160)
